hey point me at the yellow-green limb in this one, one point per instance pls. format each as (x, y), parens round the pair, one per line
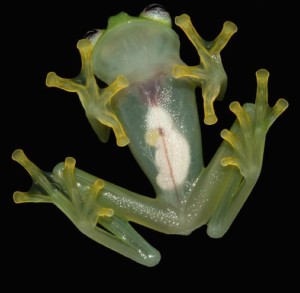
(243, 150)
(209, 74)
(254, 121)
(78, 199)
(97, 103)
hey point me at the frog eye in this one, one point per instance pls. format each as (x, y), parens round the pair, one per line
(93, 35)
(157, 12)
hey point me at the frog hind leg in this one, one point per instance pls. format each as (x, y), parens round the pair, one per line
(246, 140)
(79, 202)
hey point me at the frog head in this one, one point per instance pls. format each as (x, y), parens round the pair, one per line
(130, 44)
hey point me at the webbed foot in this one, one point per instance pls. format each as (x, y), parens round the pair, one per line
(246, 141)
(209, 74)
(254, 120)
(61, 188)
(96, 102)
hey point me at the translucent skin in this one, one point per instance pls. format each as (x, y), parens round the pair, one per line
(150, 105)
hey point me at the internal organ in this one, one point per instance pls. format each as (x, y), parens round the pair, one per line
(172, 151)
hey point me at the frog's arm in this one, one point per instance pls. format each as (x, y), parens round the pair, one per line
(209, 74)
(97, 104)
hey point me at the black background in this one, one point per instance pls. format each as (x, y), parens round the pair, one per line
(42, 249)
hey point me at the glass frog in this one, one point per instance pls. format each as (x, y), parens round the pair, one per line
(150, 105)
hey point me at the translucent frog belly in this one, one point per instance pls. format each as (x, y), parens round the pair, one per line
(162, 130)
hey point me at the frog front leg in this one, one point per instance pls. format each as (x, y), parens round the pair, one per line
(231, 175)
(96, 102)
(209, 74)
